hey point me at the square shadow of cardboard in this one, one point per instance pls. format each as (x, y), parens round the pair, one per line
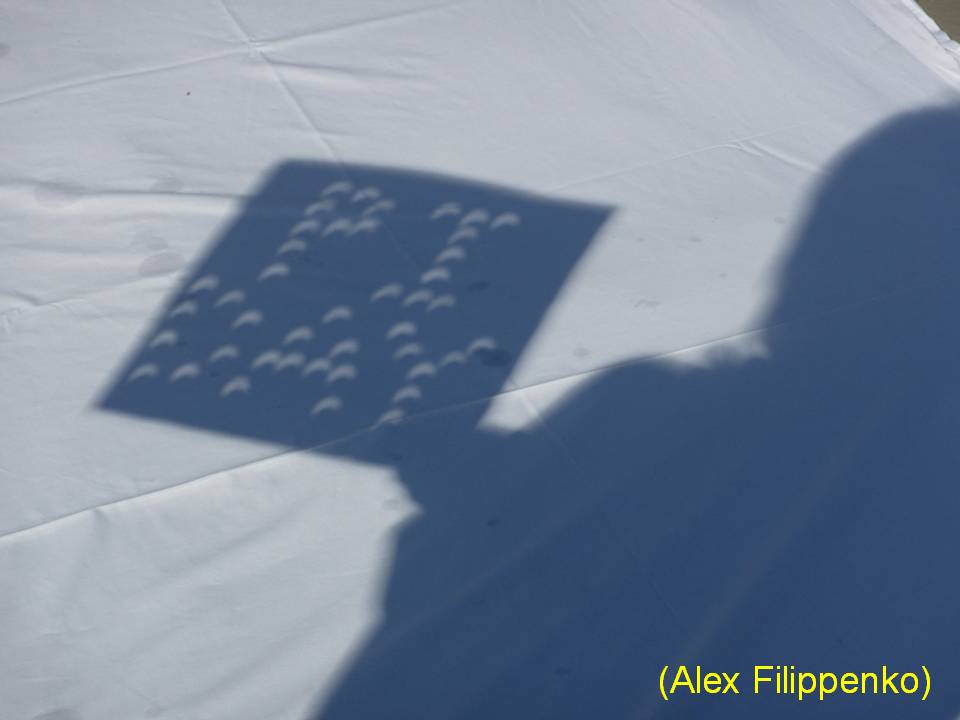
(346, 296)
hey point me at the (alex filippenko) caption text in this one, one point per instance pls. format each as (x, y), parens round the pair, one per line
(788, 681)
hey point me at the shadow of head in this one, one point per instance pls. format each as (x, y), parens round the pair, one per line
(344, 297)
(886, 218)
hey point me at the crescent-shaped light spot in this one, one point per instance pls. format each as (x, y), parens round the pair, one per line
(145, 370)
(239, 384)
(368, 193)
(507, 219)
(475, 216)
(187, 307)
(305, 226)
(345, 347)
(342, 372)
(483, 343)
(187, 370)
(233, 296)
(465, 233)
(340, 312)
(451, 253)
(450, 208)
(423, 295)
(225, 352)
(207, 282)
(275, 270)
(380, 206)
(338, 225)
(391, 416)
(164, 337)
(401, 329)
(291, 360)
(337, 187)
(442, 301)
(325, 205)
(438, 273)
(250, 317)
(422, 369)
(317, 365)
(453, 357)
(408, 392)
(292, 245)
(367, 224)
(299, 334)
(410, 349)
(268, 357)
(331, 403)
(392, 290)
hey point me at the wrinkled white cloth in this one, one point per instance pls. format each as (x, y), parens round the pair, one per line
(178, 565)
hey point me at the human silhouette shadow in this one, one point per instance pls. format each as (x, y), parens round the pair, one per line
(797, 508)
